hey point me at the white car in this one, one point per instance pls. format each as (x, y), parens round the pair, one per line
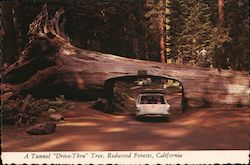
(152, 104)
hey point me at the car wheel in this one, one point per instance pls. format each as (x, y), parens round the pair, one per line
(139, 118)
(167, 118)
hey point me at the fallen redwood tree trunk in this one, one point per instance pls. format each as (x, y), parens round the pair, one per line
(50, 65)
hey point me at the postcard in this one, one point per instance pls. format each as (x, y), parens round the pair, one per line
(125, 82)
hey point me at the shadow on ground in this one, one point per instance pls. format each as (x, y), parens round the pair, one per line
(85, 129)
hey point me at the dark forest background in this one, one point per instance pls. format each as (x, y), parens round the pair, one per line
(160, 30)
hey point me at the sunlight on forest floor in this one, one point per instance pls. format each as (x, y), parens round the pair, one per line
(86, 129)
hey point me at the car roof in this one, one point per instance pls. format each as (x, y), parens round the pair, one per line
(150, 94)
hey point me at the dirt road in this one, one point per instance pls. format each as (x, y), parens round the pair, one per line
(85, 129)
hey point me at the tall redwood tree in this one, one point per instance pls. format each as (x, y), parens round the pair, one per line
(220, 12)
(162, 33)
(9, 46)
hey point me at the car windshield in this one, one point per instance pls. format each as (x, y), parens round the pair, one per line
(152, 99)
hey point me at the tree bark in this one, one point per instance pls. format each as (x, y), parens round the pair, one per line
(9, 45)
(52, 66)
(162, 33)
(71, 71)
(167, 27)
(220, 12)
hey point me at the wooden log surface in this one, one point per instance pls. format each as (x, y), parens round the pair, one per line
(86, 70)
(51, 64)
(230, 87)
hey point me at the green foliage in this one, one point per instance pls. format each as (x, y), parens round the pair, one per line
(109, 26)
(34, 109)
(37, 106)
(237, 23)
(60, 104)
(194, 26)
(130, 28)
(195, 31)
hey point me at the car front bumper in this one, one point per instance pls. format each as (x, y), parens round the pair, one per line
(152, 115)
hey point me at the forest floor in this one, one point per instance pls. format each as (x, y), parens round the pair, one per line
(86, 129)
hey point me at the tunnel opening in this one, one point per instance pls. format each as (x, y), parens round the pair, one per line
(121, 92)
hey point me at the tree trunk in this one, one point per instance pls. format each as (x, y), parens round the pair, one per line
(74, 72)
(162, 33)
(52, 66)
(220, 12)
(9, 45)
(167, 36)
